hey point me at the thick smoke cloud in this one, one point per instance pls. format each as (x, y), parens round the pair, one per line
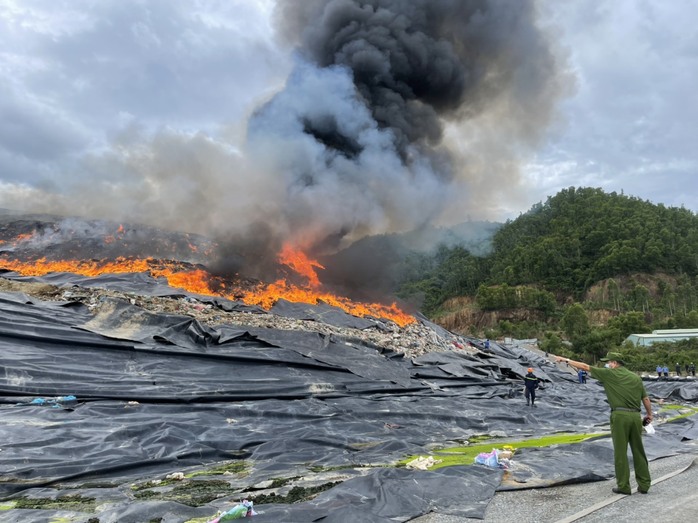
(359, 132)
(396, 115)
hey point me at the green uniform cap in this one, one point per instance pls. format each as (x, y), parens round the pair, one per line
(613, 356)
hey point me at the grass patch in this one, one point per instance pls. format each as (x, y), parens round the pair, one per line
(154, 483)
(480, 438)
(73, 503)
(295, 495)
(318, 468)
(671, 406)
(466, 455)
(692, 412)
(232, 467)
(281, 482)
(187, 492)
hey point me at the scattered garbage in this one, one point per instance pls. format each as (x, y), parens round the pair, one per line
(196, 304)
(422, 463)
(178, 476)
(57, 402)
(241, 510)
(497, 458)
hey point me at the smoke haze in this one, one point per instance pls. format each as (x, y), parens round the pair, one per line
(396, 115)
(359, 131)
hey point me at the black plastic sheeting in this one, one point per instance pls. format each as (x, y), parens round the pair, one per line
(396, 495)
(159, 393)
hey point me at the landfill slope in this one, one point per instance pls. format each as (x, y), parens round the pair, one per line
(184, 405)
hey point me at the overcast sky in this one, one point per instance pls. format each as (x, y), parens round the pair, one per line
(93, 90)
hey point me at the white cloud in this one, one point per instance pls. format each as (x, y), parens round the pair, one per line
(71, 66)
(630, 126)
(80, 78)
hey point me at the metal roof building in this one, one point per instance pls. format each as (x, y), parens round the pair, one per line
(662, 335)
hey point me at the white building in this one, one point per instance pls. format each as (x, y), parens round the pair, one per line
(662, 335)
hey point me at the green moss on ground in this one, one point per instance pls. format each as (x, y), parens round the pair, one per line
(232, 467)
(295, 495)
(73, 503)
(466, 455)
(473, 440)
(692, 411)
(670, 406)
(193, 493)
(282, 482)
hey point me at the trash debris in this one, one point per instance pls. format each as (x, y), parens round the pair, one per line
(179, 476)
(497, 459)
(57, 402)
(422, 463)
(241, 510)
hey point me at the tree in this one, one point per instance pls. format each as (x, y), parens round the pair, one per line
(575, 321)
(596, 343)
(629, 323)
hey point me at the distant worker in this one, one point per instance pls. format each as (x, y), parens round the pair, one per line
(531, 383)
(678, 369)
(582, 375)
(693, 369)
(659, 371)
(487, 344)
(665, 370)
(625, 392)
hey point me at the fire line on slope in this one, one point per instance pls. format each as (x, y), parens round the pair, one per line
(199, 281)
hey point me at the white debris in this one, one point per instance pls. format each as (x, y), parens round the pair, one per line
(423, 463)
(179, 476)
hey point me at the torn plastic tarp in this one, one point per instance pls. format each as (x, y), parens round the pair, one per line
(165, 393)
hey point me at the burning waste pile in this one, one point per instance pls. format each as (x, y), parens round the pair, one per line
(62, 250)
(36, 248)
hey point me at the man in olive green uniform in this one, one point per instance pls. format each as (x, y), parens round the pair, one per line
(625, 391)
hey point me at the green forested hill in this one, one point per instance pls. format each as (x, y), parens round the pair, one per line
(586, 266)
(581, 236)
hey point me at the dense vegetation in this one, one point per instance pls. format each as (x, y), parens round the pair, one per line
(589, 267)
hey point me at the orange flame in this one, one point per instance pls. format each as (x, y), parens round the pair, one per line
(22, 237)
(300, 263)
(267, 294)
(199, 281)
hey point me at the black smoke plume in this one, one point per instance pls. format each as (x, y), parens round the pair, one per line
(357, 138)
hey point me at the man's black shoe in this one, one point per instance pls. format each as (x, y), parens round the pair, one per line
(642, 491)
(616, 490)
